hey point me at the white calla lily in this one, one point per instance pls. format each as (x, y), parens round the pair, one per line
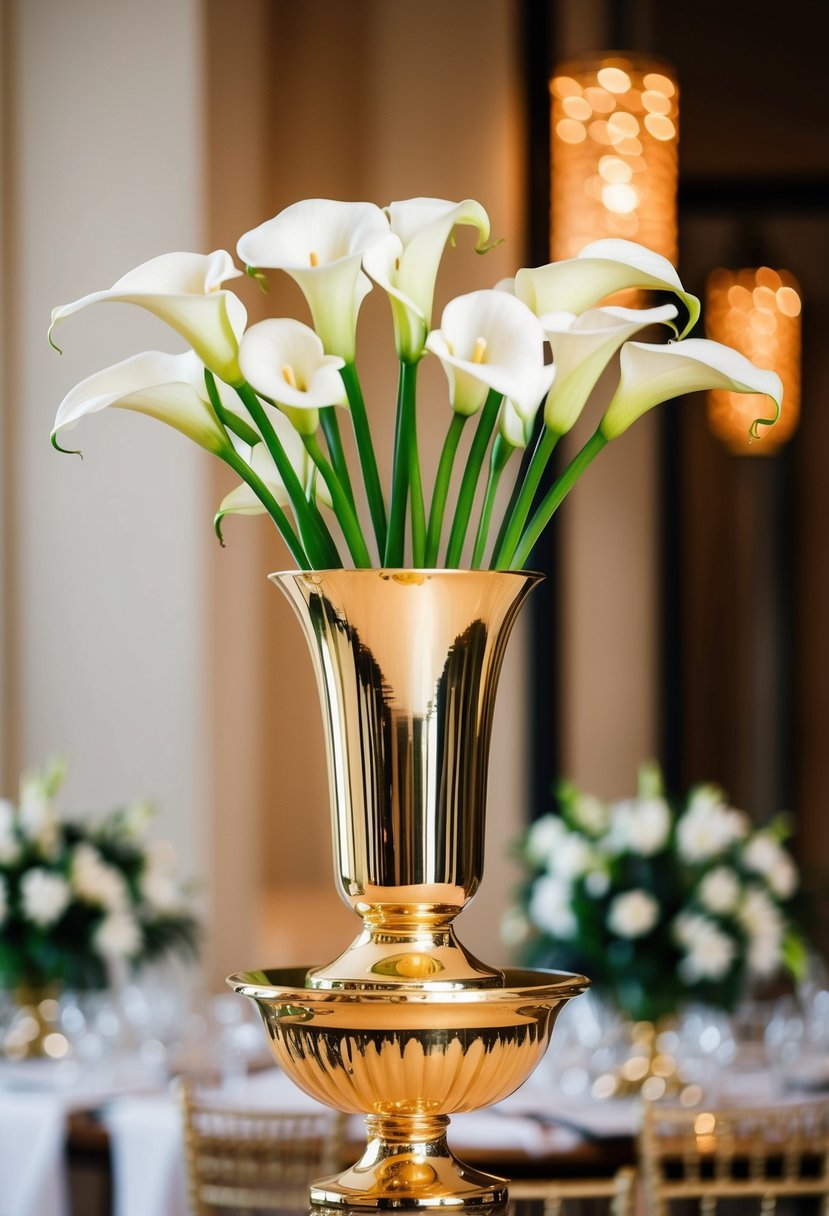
(490, 340)
(243, 501)
(284, 361)
(320, 243)
(406, 263)
(516, 429)
(602, 268)
(184, 290)
(582, 347)
(652, 374)
(160, 385)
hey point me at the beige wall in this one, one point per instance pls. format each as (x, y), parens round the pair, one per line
(105, 577)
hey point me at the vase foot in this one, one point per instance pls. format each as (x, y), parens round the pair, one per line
(407, 1164)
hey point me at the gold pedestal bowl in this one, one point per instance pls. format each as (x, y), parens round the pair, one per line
(407, 1060)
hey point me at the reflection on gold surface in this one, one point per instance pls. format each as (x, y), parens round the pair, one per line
(408, 1061)
(407, 663)
(613, 154)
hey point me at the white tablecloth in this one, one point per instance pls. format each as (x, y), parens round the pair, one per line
(32, 1141)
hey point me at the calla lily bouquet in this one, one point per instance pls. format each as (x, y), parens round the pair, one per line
(267, 399)
(660, 903)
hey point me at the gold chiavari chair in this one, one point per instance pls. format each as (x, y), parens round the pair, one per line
(760, 1154)
(558, 1197)
(254, 1161)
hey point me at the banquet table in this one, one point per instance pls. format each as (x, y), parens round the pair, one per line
(96, 1149)
(73, 1143)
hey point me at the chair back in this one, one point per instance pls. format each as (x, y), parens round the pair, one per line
(559, 1197)
(246, 1161)
(755, 1153)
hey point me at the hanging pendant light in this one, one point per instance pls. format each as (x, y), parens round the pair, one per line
(757, 312)
(614, 136)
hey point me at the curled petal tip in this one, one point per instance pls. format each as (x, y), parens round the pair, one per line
(51, 340)
(217, 528)
(66, 451)
(487, 245)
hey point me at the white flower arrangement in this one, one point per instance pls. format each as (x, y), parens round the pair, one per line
(658, 905)
(522, 358)
(75, 896)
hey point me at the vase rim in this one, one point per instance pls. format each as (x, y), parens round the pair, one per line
(395, 571)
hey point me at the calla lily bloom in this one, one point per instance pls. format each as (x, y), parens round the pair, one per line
(652, 374)
(582, 347)
(405, 264)
(284, 361)
(490, 340)
(183, 289)
(243, 501)
(320, 243)
(602, 268)
(160, 385)
(515, 429)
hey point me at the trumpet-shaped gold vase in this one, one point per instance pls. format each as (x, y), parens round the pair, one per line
(406, 1026)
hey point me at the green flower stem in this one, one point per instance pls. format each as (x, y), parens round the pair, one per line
(232, 458)
(343, 506)
(441, 490)
(553, 500)
(231, 421)
(365, 450)
(469, 482)
(319, 545)
(331, 431)
(396, 537)
(499, 457)
(415, 480)
(517, 518)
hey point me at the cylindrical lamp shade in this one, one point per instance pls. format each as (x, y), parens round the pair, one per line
(758, 313)
(614, 134)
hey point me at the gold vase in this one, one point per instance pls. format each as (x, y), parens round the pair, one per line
(406, 1026)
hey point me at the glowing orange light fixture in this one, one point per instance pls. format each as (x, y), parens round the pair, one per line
(613, 153)
(758, 313)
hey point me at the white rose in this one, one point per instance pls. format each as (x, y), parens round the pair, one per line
(759, 915)
(9, 844)
(719, 890)
(711, 952)
(571, 857)
(708, 827)
(641, 824)
(95, 881)
(543, 837)
(632, 914)
(783, 878)
(117, 936)
(45, 896)
(764, 855)
(550, 909)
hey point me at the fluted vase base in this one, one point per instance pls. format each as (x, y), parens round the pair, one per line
(407, 1060)
(408, 1164)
